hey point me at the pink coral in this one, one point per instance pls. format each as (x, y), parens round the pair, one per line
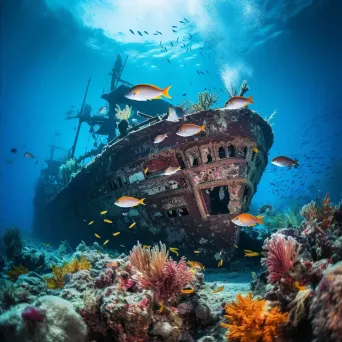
(282, 253)
(32, 313)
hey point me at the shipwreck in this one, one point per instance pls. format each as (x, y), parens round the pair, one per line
(190, 210)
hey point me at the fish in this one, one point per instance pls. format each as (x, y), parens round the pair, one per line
(98, 251)
(159, 138)
(14, 150)
(283, 161)
(196, 264)
(103, 110)
(145, 170)
(188, 130)
(98, 236)
(249, 253)
(247, 220)
(174, 250)
(146, 246)
(174, 31)
(107, 221)
(132, 225)
(29, 155)
(300, 287)
(237, 102)
(144, 92)
(146, 32)
(90, 223)
(236, 246)
(116, 233)
(175, 114)
(174, 26)
(140, 34)
(184, 94)
(161, 307)
(197, 252)
(104, 212)
(105, 242)
(132, 31)
(123, 246)
(219, 289)
(168, 60)
(171, 170)
(256, 150)
(220, 263)
(187, 291)
(129, 202)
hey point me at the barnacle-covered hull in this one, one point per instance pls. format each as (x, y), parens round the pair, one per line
(191, 209)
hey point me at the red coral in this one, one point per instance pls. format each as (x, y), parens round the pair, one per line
(282, 254)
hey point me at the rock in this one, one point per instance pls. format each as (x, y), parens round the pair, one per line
(162, 329)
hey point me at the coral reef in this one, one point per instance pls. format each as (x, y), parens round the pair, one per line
(67, 171)
(206, 100)
(123, 114)
(12, 243)
(14, 273)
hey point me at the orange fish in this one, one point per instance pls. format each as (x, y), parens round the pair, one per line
(105, 242)
(247, 220)
(300, 287)
(187, 291)
(144, 92)
(249, 253)
(219, 289)
(237, 102)
(188, 130)
(129, 202)
(196, 264)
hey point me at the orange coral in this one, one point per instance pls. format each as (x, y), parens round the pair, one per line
(251, 321)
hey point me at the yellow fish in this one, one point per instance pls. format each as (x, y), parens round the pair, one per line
(161, 307)
(249, 253)
(219, 289)
(98, 236)
(129, 202)
(187, 291)
(146, 246)
(146, 170)
(256, 150)
(115, 234)
(174, 250)
(90, 223)
(144, 92)
(104, 212)
(107, 221)
(220, 263)
(105, 242)
(197, 252)
(132, 225)
(196, 264)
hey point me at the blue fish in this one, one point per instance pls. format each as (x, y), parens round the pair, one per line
(146, 32)
(132, 31)
(140, 33)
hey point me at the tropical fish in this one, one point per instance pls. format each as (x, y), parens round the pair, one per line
(175, 114)
(284, 162)
(300, 287)
(90, 223)
(104, 212)
(161, 307)
(237, 102)
(98, 236)
(247, 220)
(29, 155)
(140, 34)
(107, 221)
(14, 150)
(171, 170)
(146, 32)
(249, 253)
(188, 130)
(116, 234)
(174, 250)
(196, 264)
(132, 225)
(146, 170)
(236, 246)
(146, 246)
(103, 110)
(219, 289)
(256, 150)
(128, 202)
(220, 263)
(144, 92)
(132, 31)
(187, 291)
(197, 252)
(159, 138)
(105, 242)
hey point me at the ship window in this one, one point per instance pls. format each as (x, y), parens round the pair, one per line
(253, 155)
(183, 211)
(231, 151)
(245, 193)
(180, 161)
(217, 200)
(245, 150)
(222, 152)
(258, 162)
(172, 213)
(209, 158)
(120, 182)
(248, 169)
(195, 162)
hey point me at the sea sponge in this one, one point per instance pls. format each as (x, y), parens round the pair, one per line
(251, 321)
(48, 319)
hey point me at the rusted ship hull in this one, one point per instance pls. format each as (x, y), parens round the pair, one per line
(191, 210)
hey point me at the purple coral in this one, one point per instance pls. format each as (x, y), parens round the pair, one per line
(32, 313)
(282, 253)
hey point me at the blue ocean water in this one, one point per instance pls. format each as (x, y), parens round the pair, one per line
(287, 50)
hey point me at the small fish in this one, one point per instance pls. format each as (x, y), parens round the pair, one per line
(140, 34)
(168, 60)
(173, 248)
(104, 212)
(175, 114)
(249, 253)
(247, 220)
(264, 253)
(173, 251)
(129, 202)
(98, 236)
(174, 26)
(103, 110)
(132, 31)
(146, 246)
(237, 102)
(196, 265)
(132, 225)
(116, 234)
(300, 287)
(98, 251)
(220, 263)
(188, 130)
(236, 246)
(107, 221)
(187, 291)
(29, 155)
(123, 246)
(256, 150)
(159, 138)
(146, 32)
(197, 252)
(219, 289)
(171, 170)
(90, 223)
(284, 162)
(182, 22)
(161, 307)
(14, 150)
(105, 242)
(144, 92)
(146, 170)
